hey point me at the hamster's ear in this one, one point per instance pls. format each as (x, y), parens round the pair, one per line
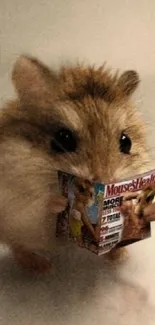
(29, 77)
(128, 82)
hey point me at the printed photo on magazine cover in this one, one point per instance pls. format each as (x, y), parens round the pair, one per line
(100, 217)
(82, 217)
(132, 207)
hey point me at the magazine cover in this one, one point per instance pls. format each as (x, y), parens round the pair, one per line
(100, 217)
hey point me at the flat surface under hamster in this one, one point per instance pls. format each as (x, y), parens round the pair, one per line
(82, 288)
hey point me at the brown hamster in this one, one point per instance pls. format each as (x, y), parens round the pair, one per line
(84, 196)
(84, 191)
(79, 120)
(134, 212)
(145, 198)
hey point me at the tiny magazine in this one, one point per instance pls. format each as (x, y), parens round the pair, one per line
(101, 217)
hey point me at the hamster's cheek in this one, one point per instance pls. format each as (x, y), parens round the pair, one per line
(129, 170)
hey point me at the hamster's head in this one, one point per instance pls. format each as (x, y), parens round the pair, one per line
(84, 191)
(79, 120)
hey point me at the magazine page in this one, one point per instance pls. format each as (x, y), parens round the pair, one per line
(81, 221)
(100, 217)
(122, 221)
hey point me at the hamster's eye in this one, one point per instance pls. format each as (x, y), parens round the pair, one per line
(125, 144)
(64, 141)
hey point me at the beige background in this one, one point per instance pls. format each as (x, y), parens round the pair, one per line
(83, 289)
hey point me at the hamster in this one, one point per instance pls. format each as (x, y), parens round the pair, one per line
(79, 120)
(145, 198)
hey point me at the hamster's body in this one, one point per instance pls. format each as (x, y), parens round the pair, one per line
(80, 120)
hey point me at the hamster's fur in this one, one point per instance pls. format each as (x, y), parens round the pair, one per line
(96, 108)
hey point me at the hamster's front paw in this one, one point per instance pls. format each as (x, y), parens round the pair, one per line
(118, 254)
(31, 262)
(58, 204)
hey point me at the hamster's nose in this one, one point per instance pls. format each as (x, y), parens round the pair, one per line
(101, 177)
